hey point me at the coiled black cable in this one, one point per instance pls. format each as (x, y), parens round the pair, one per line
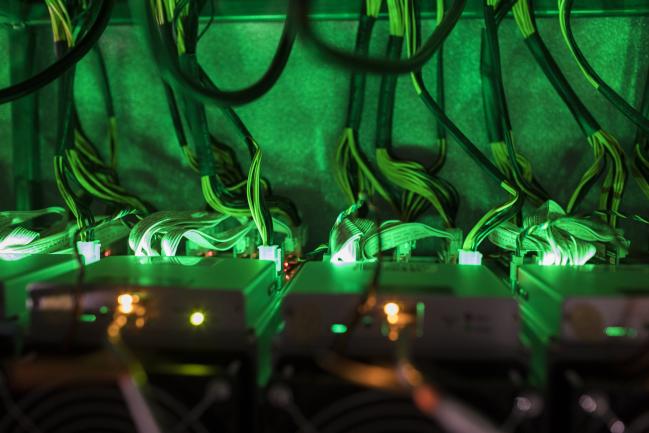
(301, 8)
(71, 58)
(174, 74)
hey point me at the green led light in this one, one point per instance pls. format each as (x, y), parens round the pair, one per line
(103, 309)
(197, 318)
(620, 331)
(421, 310)
(88, 318)
(338, 328)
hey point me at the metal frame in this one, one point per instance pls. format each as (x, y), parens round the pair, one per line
(272, 10)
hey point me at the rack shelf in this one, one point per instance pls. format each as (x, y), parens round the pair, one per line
(32, 12)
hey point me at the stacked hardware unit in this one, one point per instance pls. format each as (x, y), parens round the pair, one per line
(223, 345)
(588, 328)
(219, 229)
(463, 336)
(198, 326)
(15, 274)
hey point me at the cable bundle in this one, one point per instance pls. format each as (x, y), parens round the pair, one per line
(221, 179)
(419, 184)
(15, 238)
(565, 11)
(353, 172)
(168, 229)
(16, 241)
(77, 163)
(354, 238)
(161, 233)
(347, 231)
(514, 165)
(608, 153)
(559, 239)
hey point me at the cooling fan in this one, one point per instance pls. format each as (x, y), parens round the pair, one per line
(97, 392)
(358, 412)
(303, 398)
(608, 406)
(92, 407)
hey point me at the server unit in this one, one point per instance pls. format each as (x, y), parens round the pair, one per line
(16, 272)
(465, 339)
(199, 326)
(588, 326)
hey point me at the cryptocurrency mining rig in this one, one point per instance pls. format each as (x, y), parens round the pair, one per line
(324, 216)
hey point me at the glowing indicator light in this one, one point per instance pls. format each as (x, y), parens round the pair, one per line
(197, 318)
(87, 318)
(125, 299)
(338, 328)
(620, 331)
(391, 309)
(126, 308)
(103, 309)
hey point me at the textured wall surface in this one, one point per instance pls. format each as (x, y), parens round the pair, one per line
(298, 122)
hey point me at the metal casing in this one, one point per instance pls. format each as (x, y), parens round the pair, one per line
(16, 272)
(238, 299)
(462, 312)
(585, 304)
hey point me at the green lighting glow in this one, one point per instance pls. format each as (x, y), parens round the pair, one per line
(88, 318)
(103, 309)
(338, 328)
(421, 310)
(620, 331)
(197, 318)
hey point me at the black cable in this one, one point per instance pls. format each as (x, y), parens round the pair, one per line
(543, 57)
(66, 126)
(499, 219)
(356, 100)
(210, 22)
(196, 117)
(613, 97)
(440, 91)
(176, 118)
(387, 95)
(71, 58)
(191, 42)
(451, 203)
(491, 32)
(301, 9)
(495, 132)
(439, 113)
(359, 79)
(105, 82)
(468, 146)
(642, 139)
(641, 134)
(160, 43)
(230, 113)
(65, 119)
(273, 201)
(586, 121)
(503, 9)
